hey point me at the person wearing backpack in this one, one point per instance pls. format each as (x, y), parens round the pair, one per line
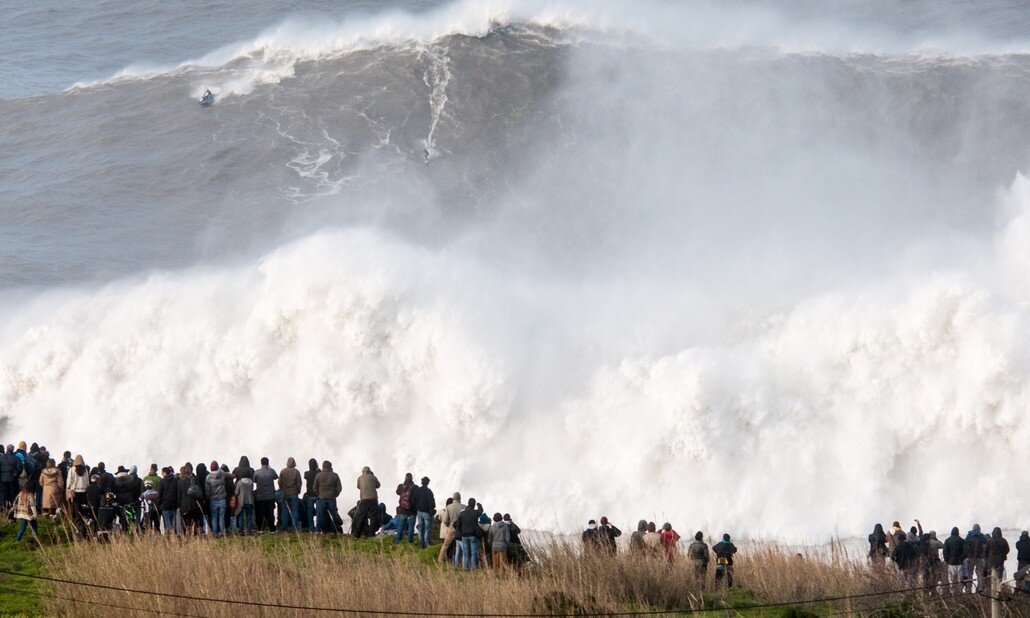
(190, 495)
(149, 513)
(405, 510)
(699, 555)
(25, 465)
(724, 551)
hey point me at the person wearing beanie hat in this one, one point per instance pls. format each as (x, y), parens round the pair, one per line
(699, 555)
(724, 551)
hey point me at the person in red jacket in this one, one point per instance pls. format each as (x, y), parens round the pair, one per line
(669, 539)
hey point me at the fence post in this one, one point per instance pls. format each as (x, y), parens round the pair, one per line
(995, 593)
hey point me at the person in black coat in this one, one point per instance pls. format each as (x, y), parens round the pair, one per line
(997, 552)
(1023, 551)
(424, 503)
(468, 530)
(906, 557)
(878, 545)
(168, 499)
(189, 501)
(955, 556)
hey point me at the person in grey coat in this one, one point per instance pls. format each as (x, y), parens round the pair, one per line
(499, 536)
(264, 497)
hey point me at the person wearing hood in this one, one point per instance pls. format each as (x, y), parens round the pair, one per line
(205, 504)
(230, 500)
(168, 499)
(405, 510)
(699, 555)
(10, 470)
(368, 501)
(636, 539)
(26, 467)
(976, 543)
(75, 485)
(244, 513)
(955, 558)
(878, 546)
(424, 503)
(1023, 551)
(310, 498)
(290, 485)
(517, 554)
(214, 489)
(64, 465)
(190, 495)
(724, 551)
(53, 488)
(243, 470)
(996, 554)
(328, 487)
(264, 497)
(933, 567)
(447, 526)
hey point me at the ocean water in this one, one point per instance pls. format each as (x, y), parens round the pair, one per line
(753, 266)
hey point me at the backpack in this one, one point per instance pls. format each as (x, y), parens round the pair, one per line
(405, 501)
(193, 491)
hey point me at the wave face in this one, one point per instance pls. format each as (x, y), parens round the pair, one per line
(759, 266)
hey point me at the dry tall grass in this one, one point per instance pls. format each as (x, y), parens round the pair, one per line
(337, 573)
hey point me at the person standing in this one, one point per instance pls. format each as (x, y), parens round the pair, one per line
(190, 495)
(499, 536)
(905, 557)
(976, 543)
(469, 531)
(216, 498)
(955, 558)
(724, 551)
(636, 539)
(405, 510)
(878, 546)
(290, 485)
(652, 540)
(53, 488)
(168, 500)
(608, 533)
(996, 554)
(328, 487)
(449, 527)
(245, 504)
(1023, 551)
(368, 503)
(264, 497)
(424, 503)
(149, 511)
(669, 539)
(76, 484)
(310, 497)
(699, 555)
(10, 470)
(25, 512)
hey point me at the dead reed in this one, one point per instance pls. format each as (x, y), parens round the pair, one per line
(372, 576)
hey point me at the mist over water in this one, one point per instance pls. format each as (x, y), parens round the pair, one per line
(749, 265)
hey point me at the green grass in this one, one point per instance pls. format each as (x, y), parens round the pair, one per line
(18, 595)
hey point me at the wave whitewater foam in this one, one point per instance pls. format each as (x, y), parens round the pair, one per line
(355, 346)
